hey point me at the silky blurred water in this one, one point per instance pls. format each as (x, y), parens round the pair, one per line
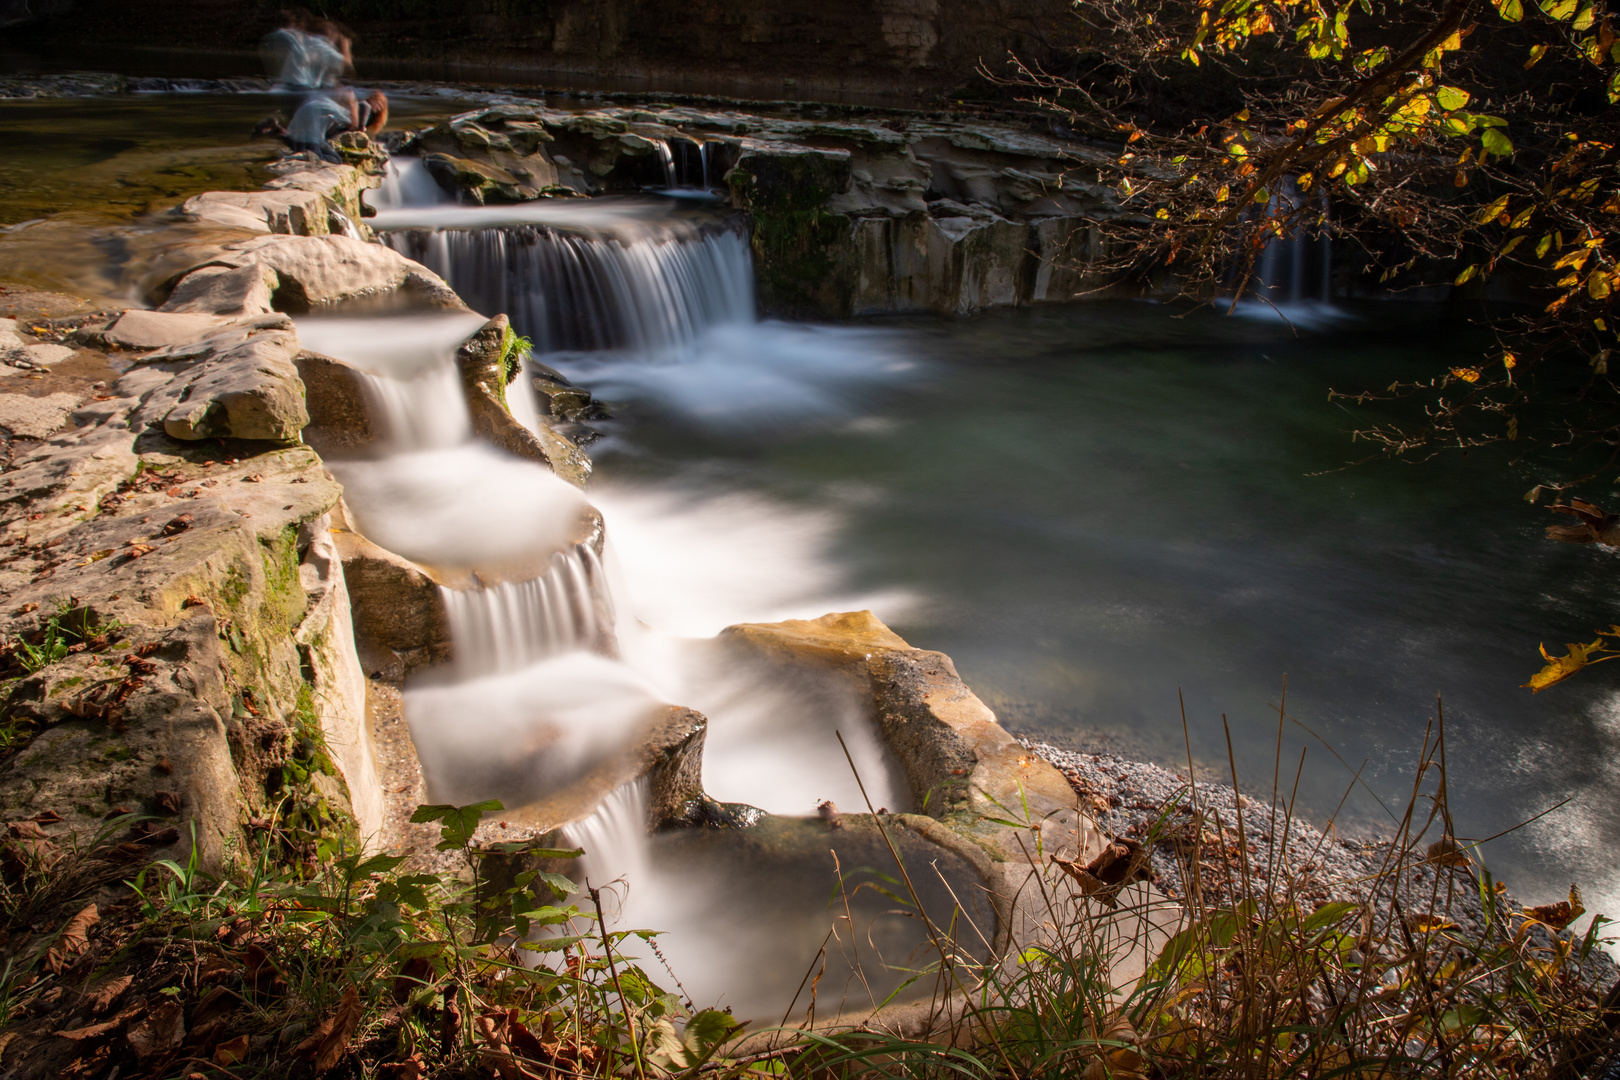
(1104, 511)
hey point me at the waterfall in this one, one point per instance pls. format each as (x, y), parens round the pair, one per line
(345, 224)
(667, 160)
(406, 184)
(406, 367)
(1297, 268)
(648, 290)
(614, 838)
(428, 412)
(510, 625)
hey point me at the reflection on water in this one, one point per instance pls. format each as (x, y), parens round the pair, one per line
(1095, 510)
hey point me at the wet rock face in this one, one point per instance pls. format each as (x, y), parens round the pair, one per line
(481, 360)
(849, 216)
(961, 765)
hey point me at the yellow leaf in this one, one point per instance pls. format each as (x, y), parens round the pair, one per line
(1585, 19)
(1511, 10)
(1492, 212)
(1560, 668)
(1467, 274)
(1451, 97)
(1559, 915)
(1220, 196)
(1559, 9)
(1536, 53)
(1466, 374)
(1509, 361)
(1597, 285)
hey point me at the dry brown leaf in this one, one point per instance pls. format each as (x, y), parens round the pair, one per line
(1446, 852)
(74, 939)
(229, 1053)
(412, 1068)
(104, 995)
(1562, 913)
(93, 1031)
(219, 1003)
(162, 1030)
(326, 1045)
(212, 968)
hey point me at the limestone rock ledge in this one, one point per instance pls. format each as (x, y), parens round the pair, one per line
(850, 215)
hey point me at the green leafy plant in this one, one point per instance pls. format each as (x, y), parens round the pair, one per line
(514, 348)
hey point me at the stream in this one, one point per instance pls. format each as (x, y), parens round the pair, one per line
(1103, 513)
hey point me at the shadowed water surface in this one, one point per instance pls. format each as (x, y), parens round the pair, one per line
(1099, 509)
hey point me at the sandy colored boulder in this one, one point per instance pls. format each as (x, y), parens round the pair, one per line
(290, 212)
(315, 270)
(35, 417)
(224, 290)
(138, 329)
(251, 391)
(339, 421)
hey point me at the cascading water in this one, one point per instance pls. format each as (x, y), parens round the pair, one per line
(407, 374)
(406, 184)
(510, 625)
(553, 672)
(644, 289)
(1294, 276)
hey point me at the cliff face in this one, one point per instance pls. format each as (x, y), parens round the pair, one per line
(891, 46)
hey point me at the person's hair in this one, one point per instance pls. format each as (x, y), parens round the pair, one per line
(332, 30)
(294, 18)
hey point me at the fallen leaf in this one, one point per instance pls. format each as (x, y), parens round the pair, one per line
(103, 995)
(209, 969)
(46, 817)
(168, 801)
(163, 1029)
(412, 1068)
(449, 1027)
(174, 493)
(326, 1045)
(415, 972)
(193, 600)
(261, 971)
(1420, 924)
(1116, 866)
(178, 525)
(229, 1053)
(135, 551)
(1562, 913)
(74, 939)
(156, 834)
(92, 1031)
(252, 478)
(1446, 852)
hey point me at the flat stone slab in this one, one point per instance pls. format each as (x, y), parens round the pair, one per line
(137, 329)
(36, 355)
(35, 417)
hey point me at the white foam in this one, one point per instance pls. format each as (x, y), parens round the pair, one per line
(520, 735)
(467, 506)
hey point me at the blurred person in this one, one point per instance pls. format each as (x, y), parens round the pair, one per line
(298, 56)
(324, 115)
